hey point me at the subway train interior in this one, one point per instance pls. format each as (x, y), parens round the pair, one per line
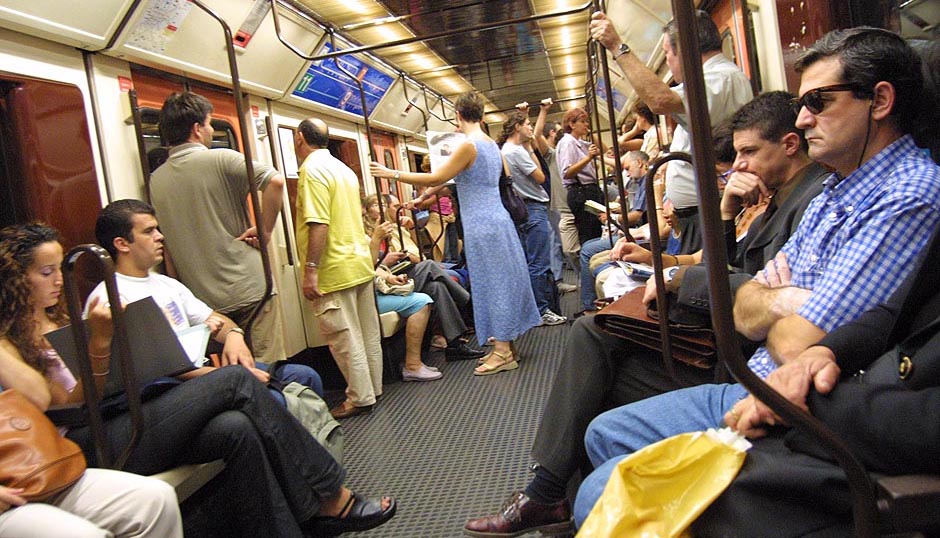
(81, 89)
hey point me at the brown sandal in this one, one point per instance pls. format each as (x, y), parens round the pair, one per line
(509, 363)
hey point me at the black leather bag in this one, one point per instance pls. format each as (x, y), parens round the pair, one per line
(513, 203)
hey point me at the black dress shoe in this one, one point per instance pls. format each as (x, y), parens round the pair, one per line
(359, 514)
(462, 352)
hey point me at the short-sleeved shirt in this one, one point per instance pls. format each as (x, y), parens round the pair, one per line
(201, 200)
(727, 89)
(328, 193)
(181, 308)
(559, 197)
(569, 151)
(521, 167)
(860, 237)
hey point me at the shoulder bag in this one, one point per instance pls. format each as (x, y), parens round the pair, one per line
(314, 413)
(513, 203)
(33, 456)
(628, 318)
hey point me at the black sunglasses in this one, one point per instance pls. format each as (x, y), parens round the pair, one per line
(813, 99)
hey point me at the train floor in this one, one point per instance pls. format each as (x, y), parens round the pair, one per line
(455, 448)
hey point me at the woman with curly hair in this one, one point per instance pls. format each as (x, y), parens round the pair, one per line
(225, 414)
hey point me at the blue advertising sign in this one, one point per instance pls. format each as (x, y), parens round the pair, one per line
(326, 84)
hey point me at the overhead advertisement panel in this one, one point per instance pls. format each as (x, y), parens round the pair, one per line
(327, 84)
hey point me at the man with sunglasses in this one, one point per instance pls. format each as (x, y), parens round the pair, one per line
(857, 241)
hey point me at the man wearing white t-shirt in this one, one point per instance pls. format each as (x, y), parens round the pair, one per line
(128, 230)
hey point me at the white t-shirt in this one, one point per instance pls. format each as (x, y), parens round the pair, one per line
(181, 308)
(726, 89)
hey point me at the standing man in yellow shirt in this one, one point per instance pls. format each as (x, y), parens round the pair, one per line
(338, 266)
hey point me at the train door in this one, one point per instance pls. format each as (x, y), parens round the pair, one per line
(47, 169)
(152, 88)
(386, 153)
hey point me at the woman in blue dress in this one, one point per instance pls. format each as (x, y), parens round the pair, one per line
(503, 303)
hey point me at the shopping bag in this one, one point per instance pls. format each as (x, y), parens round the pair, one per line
(657, 492)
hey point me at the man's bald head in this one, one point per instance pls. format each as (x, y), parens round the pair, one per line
(315, 132)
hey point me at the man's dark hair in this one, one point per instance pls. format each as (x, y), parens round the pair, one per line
(549, 126)
(771, 114)
(180, 111)
(313, 135)
(927, 132)
(723, 143)
(641, 109)
(117, 220)
(708, 37)
(470, 106)
(869, 56)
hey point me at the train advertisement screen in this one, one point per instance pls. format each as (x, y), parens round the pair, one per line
(327, 84)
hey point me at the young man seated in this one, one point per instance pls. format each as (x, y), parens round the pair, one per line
(127, 229)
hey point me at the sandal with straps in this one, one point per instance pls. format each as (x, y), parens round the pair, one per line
(359, 514)
(509, 363)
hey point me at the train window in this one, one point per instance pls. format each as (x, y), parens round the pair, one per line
(223, 137)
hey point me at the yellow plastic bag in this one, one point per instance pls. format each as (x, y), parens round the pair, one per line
(657, 492)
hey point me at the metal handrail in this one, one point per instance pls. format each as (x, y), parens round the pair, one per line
(119, 341)
(249, 168)
(860, 487)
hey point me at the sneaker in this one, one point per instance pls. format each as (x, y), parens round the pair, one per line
(566, 288)
(551, 318)
(421, 374)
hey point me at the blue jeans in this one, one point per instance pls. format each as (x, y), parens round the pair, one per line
(558, 257)
(588, 250)
(616, 434)
(300, 373)
(536, 235)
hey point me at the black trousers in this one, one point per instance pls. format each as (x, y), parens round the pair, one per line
(598, 372)
(588, 225)
(275, 473)
(450, 298)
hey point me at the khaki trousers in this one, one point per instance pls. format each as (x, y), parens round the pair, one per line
(349, 322)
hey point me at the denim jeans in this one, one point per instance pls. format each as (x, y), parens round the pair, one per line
(588, 250)
(616, 434)
(287, 373)
(558, 257)
(536, 235)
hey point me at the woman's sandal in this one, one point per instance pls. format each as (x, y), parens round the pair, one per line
(359, 514)
(512, 351)
(509, 363)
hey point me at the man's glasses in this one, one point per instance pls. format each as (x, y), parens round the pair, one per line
(814, 101)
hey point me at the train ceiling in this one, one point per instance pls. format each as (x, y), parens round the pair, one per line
(540, 52)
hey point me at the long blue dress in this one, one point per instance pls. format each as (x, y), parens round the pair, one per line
(503, 303)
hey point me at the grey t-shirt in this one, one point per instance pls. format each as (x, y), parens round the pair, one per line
(200, 197)
(521, 166)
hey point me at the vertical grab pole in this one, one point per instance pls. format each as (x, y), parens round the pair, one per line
(611, 113)
(365, 118)
(864, 506)
(601, 170)
(249, 166)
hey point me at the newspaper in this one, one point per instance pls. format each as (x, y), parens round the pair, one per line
(441, 146)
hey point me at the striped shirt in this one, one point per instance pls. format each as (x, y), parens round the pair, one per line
(858, 239)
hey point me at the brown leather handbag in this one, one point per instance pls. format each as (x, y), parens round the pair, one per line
(628, 318)
(33, 455)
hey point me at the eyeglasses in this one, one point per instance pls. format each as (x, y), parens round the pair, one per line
(813, 99)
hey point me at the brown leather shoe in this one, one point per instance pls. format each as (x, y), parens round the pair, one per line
(346, 410)
(520, 515)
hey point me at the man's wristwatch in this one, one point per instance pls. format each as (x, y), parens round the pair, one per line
(624, 48)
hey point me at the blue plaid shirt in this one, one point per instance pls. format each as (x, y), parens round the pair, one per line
(858, 239)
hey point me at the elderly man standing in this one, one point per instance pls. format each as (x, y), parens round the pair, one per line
(338, 267)
(727, 90)
(201, 195)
